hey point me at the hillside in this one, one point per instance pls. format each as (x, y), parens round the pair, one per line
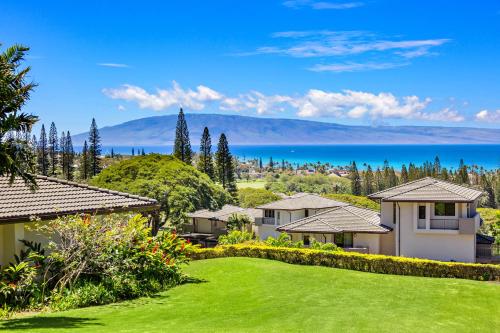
(242, 130)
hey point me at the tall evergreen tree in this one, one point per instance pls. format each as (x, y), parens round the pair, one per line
(404, 174)
(84, 162)
(260, 163)
(379, 180)
(112, 153)
(70, 157)
(463, 175)
(355, 180)
(271, 163)
(53, 150)
(393, 178)
(182, 145)
(225, 167)
(43, 153)
(436, 169)
(368, 181)
(206, 161)
(94, 150)
(143, 153)
(63, 154)
(133, 151)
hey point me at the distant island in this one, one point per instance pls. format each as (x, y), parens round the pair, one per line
(243, 130)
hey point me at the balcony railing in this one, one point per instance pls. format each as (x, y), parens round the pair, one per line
(268, 220)
(444, 224)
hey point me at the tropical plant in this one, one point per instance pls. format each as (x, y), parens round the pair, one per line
(16, 156)
(235, 237)
(238, 222)
(283, 240)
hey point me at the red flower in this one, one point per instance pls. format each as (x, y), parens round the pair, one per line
(188, 241)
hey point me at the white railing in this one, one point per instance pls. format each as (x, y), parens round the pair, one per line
(268, 220)
(444, 224)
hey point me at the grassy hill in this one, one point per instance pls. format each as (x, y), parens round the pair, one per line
(256, 295)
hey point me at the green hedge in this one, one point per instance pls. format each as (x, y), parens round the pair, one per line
(356, 261)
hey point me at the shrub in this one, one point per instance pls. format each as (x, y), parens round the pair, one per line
(356, 200)
(253, 197)
(356, 261)
(283, 240)
(235, 237)
(238, 221)
(324, 246)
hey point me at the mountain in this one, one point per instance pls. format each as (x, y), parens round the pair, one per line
(242, 130)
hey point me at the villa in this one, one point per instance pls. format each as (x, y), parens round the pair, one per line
(426, 218)
(54, 198)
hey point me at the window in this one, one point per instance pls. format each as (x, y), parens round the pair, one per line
(444, 209)
(347, 239)
(394, 212)
(421, 212)
(339, 239)
(268, 213)
(307, 213)
(306, 240)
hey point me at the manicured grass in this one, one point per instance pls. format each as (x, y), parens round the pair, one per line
(256, 183)
(256, 295)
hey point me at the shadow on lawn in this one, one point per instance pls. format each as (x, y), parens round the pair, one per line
(47, 322)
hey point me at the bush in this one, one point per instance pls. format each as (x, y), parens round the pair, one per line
(315, 183)
(283, 240)
(253, 197)
(356, 261)
(235, 237)
(355, 200)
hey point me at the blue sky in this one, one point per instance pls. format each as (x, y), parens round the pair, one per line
(361, 62)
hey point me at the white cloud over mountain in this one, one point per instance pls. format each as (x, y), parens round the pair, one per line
(488, 116)
(314, 103)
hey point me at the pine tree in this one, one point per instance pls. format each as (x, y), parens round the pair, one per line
(133, 151)
(444, 174)
(436, 170)
(368, 180)
(404, 174)
(182, 145)
(94, 150)
(393, 179)
(112, 153)
(463, 175)
(355, 180)
(260, 163)
(206, 161)
(34, 148)
(63, 156)
(70, 157)
(225, 167)
(84, 162)
(53, 149)
(143, 153)
(271, 163)
(43, 153)
(379, 180)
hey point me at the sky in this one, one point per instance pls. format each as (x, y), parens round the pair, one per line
(370, 62)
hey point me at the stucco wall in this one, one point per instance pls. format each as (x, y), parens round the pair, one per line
(438, 245)
(371, 241)
(265, 230)
(203, 225)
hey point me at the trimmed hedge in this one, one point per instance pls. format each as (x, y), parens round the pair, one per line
(355, 261)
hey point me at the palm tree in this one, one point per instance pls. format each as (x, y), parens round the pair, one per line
(16, 155)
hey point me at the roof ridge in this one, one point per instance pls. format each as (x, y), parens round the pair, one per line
(404, 184)
(307, 217)
(411, 189)
(358, 215)
(94, 188)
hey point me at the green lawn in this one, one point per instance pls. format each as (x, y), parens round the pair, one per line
(256, 295)
(256, 183)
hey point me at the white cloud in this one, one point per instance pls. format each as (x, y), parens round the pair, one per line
(165, 98)
(296, 4)
(315, 103)
(487, 116)
(114, 65)
(121, 108)
(354, 67)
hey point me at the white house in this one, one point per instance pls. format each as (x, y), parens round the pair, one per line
(431, 219)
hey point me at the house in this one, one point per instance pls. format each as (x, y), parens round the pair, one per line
(431, 219)
(54, 198)
(291, 209)
(207, 225)
(352, 228)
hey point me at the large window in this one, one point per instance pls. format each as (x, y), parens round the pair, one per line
(347, 239)
(339, 239)
(444, 209)
(421, 212)
(268, 213)
(306, 240)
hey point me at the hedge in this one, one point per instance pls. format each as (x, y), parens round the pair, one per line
(355, 261)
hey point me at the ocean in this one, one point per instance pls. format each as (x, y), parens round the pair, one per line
(487, 156)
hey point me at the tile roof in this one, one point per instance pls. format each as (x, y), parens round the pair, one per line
(339, 219)
(56, 197)
(303, 201)
(225, 212)
(428, 189)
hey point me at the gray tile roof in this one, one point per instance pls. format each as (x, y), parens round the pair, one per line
(428, 189)
(55, 197)
(303, 201)
(225, 212)
(339, 219)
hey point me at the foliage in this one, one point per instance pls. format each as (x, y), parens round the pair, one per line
(67, 156)
(356, 261)
(235, 237)
(355, 180)
(283, 240)
(225, 167)
(316, 183)
(182, 145)
(253, 197)
(491, 225)
(53, 150)
(206, 161)
(94, 154)
(238, 221)
(178, 187)
(16, 155)
(43, 153)
(355, 200)
(84, 169)
(324, 246)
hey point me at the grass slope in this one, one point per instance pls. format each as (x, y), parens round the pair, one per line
(256, 295)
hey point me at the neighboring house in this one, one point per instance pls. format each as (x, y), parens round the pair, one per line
(207, 225)
(291, 209)
(352, 228)
(54, 198)
(431, 219)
